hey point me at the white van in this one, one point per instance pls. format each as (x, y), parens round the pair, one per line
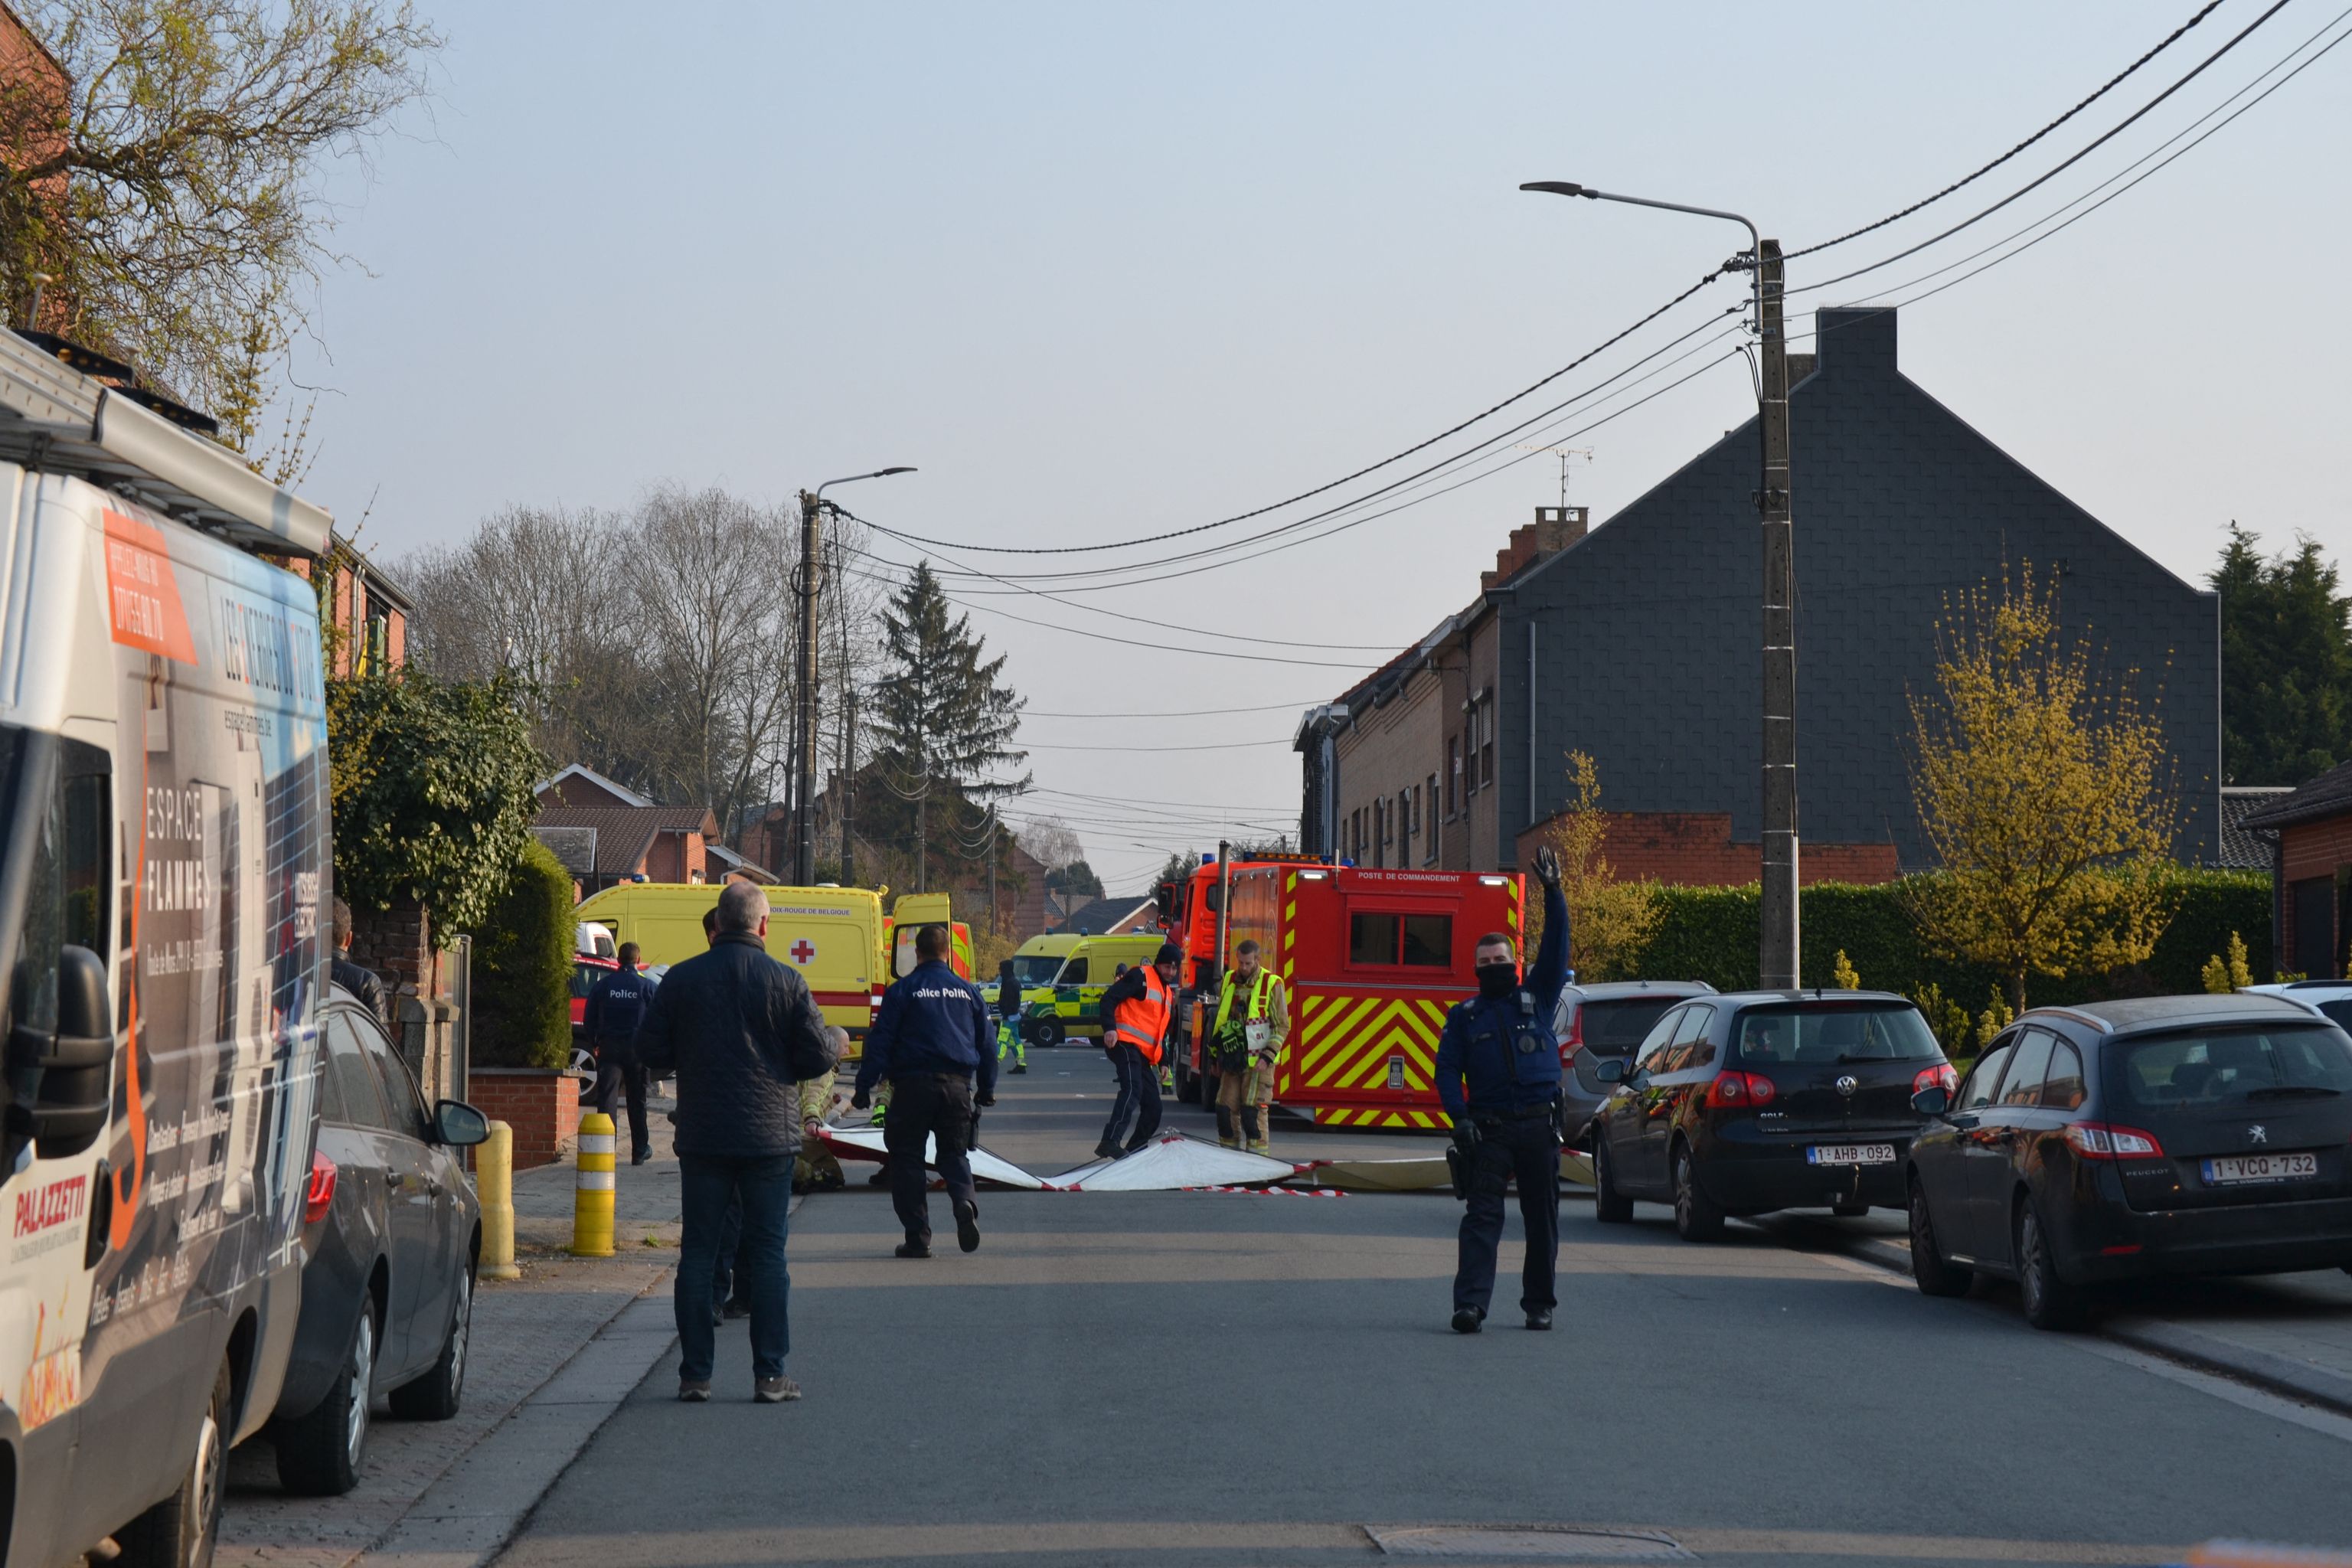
(164, 861)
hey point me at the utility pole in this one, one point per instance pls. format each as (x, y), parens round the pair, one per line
(804, 727)
(805, 711)
(1777, 951)
(991, 867)
(849, 785)
(1777, 937)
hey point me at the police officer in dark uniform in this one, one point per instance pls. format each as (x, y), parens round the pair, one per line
(931, 1039)
(1501, 1043)
(616, 1006)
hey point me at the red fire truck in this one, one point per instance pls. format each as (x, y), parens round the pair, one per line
(1372, 960)
(1189, 914)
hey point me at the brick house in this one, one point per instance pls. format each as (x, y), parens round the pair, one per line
(1637, 642)
(605, 833)
(2310, 829)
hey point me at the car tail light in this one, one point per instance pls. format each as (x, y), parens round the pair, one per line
(1573, 1041)
(320, 1195)
(1939, 1076)
(1734, 1089)
(2105, 1140)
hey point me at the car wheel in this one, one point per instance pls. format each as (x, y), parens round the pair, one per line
(179, 1531)
(435, 1397)
(1045, 1032)
(1610, 1207)
(1696, 1218)
(2050, 1302)
(1934, 1276)
(321, 1454)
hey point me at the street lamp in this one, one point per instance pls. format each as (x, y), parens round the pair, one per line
(1777, 936)
(805, 726)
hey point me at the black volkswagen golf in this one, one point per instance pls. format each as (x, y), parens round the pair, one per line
(1758, 1100)
(2160, 1135)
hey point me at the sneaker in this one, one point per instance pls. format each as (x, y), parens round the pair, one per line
(1468, 1319)
(968, 1227)
(694, 1391)
(736, 1308)
(774, 1390)
(1020, 1068)
(913, 1250)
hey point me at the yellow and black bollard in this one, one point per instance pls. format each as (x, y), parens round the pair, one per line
(494, 1185)
(591, 1196)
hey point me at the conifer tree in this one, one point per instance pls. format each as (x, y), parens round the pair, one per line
(2286, 662)
(944, 719)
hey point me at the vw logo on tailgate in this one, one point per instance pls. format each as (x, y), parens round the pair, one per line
(1847, 1084)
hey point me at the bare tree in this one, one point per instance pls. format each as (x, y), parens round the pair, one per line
(161, 173)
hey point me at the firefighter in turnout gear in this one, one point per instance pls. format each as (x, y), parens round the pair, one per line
(1252, 1023)
(1501, 1043)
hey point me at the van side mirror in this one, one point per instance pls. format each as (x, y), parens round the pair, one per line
(1933, 1100)
(1610, 1070)
(459, 1124)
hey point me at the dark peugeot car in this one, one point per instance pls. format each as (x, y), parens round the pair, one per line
(2162, 1135)
(390, 1236)
(1603, 1020)
(1751, 1102)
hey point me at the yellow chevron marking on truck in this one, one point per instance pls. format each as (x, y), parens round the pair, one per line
(1348, 1041)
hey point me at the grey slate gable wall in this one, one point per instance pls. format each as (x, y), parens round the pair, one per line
(1647, 631)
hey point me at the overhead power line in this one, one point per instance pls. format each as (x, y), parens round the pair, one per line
(2113, 82)
(1520, 396)
(2129, 120)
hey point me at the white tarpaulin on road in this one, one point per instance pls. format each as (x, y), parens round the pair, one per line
(865, 1144)
(1171, 1162)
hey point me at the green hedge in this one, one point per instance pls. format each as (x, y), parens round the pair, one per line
(1710, 934)
(522, 968)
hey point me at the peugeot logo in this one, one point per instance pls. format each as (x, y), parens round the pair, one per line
(1848, 1084)
(2257, 1135)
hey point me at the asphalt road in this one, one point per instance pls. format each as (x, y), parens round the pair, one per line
(1198, 1379)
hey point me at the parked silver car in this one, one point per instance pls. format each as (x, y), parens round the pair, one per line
(1597, 1022)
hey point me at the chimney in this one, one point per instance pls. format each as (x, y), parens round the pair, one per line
(1554, 529)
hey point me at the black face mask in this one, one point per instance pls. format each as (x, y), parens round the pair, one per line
(1497, 981)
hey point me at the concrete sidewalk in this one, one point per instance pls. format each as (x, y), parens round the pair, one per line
(2289, 1332)
(552, 1354)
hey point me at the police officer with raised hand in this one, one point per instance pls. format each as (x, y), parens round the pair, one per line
(1501, 1044)
(932, 1038)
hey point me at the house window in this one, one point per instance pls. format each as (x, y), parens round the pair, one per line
(1429, 844)
(1485, 717)
(1453, 775)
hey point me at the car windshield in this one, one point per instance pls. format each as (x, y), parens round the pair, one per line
(1835, 1032)
(1612, 1028)
(2234, 1067)
(1034, 968)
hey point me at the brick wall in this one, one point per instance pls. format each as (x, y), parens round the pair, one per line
(1388, 750)
(2316, 849)
(397, 944)
(1695, 849)
(543, 1108)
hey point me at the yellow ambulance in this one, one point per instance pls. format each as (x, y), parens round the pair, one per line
(910, 914)
(832, 935)
(1062, 978)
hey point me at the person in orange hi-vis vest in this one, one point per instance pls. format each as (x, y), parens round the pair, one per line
(1137, 1010)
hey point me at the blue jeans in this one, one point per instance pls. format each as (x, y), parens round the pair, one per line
(707, 1186)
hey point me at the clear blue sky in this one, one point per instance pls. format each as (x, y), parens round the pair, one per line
(1104, 269)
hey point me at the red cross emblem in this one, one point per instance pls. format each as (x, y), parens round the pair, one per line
(803, 950)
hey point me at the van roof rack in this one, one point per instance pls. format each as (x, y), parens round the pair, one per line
(59, 413)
